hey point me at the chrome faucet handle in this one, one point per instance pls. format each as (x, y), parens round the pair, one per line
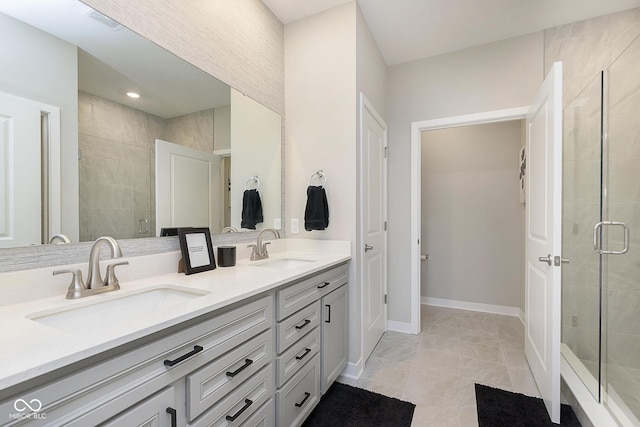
(265, 254)
(111, 279)
(76, 287)
(254, 252)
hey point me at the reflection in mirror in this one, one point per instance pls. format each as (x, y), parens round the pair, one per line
(81, 62)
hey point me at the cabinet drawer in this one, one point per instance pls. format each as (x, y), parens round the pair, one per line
(296, 326)
(154, 411)
(241, 403)
(110, 386)
(301, 294)
(212, 382)
(299, 396)
(263, 417)
(288, 363)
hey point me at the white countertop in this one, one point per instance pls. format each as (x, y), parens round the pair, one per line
(31, 349)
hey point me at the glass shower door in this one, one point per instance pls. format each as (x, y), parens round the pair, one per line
(621, 271)
(582, 200)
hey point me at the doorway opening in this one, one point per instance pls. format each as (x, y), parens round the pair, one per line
(473, 218)
(417, 128)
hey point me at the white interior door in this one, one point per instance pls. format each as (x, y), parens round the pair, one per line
(20, 178)
(543, 239)
(373, 141)
(186, 187)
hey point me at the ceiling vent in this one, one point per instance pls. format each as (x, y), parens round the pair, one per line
(103, 19)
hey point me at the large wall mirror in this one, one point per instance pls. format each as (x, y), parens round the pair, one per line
(91, 166)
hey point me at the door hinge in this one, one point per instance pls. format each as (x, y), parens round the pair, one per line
(385, 298)
(385, 226)
(386, 152)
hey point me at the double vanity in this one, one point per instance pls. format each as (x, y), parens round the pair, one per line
(254, 344)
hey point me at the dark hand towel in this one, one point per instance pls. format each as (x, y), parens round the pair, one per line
(316, 214)
(251, 209)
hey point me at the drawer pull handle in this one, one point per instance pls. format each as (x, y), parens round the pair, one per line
(306, 396)
(306, 322)
(328, 313)
(247, 403)
(174, 416)
(196, 349)
(324, 285)
(247, 362)
(306, 351)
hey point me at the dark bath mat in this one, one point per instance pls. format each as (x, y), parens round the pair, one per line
(498, 408)
(347, 406)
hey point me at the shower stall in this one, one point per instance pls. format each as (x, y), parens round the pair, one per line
(601, 237)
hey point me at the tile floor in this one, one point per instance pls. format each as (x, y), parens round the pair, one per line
(437, 369)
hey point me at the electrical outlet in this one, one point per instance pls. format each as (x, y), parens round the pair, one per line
(294, 226)
(277, 223)
(574, 321)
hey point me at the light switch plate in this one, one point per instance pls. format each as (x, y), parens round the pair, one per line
(294, 226)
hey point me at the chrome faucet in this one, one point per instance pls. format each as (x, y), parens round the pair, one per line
(62, 237)
(95, 284)
(259, 250)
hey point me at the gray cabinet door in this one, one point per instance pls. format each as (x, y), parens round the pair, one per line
(334, 336)
(156, 411)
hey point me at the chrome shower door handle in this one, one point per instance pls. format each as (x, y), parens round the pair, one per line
(546, 259)
(597, 241)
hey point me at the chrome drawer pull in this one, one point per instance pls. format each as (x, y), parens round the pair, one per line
(196, 349)
(247, 362)
(306, 396)
(306, 351)
(174, 416)
(247, 403)
(306, 322)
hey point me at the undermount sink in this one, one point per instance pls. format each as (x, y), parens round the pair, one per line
(285, 263)
(116, 309)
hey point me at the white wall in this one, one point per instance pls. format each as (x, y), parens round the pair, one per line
(320, 89)
(45, 69)
(255, 151)
(472, 219)
(320, 128)
(499, 75)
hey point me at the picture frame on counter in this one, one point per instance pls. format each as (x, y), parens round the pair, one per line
(197, 250)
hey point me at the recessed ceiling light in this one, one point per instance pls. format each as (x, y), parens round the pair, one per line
(133, 95)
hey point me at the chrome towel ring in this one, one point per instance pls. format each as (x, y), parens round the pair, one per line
(320, 175)
(255, 179)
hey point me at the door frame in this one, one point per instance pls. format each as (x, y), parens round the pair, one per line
(417, 128)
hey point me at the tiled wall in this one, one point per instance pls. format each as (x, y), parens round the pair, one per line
(116, 164)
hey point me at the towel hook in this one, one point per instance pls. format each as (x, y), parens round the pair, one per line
(255, 179)
(319, 174)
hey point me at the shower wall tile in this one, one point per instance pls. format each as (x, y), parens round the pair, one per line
(623, 350)
(587, 47)
(624, 136)
(115, 167)
(193, 130)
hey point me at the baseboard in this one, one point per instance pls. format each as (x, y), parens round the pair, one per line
(521, 316)
(352, 371)
(403, 327)
(473, 306)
